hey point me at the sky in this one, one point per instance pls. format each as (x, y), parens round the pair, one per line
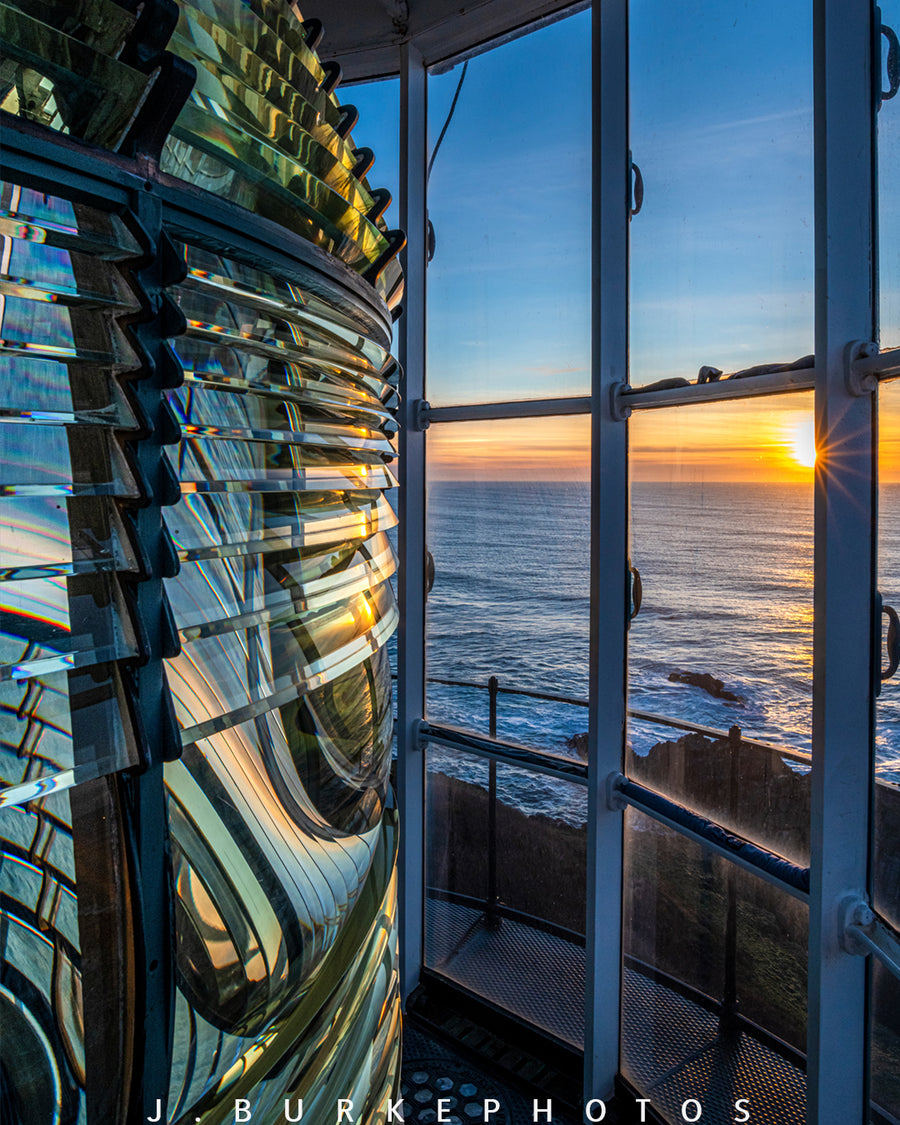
(721, 253)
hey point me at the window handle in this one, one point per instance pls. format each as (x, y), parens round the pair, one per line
(893, 65)
(637, 190)
(893, 641)
(429, 571)
(637, 591)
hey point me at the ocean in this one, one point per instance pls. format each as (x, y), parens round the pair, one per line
(727, 573)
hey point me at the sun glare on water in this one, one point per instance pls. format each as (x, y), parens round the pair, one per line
(803, 443)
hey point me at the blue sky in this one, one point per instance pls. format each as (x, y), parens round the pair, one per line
(722, 252)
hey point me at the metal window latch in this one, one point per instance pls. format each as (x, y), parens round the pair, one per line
(615, 802)
(854, 917)
(858, 378)
(420, 410)
(618, 407)
(429, 571)
(862, 932)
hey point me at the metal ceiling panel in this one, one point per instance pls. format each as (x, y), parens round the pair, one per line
(364, 36)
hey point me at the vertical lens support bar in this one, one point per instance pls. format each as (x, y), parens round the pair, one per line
(845, 516)
(144, 792)
(610, 601)
(411, 581)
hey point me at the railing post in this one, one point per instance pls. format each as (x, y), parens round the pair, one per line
(492, 914)
(728, 1014)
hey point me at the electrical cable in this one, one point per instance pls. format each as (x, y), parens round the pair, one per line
(459, 85)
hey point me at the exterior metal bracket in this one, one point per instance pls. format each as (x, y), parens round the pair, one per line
(615, 802)
(618, 408)
(862, 932)
(421, 409)
(859, 380)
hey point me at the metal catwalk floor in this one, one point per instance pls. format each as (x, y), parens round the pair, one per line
(672, 1048)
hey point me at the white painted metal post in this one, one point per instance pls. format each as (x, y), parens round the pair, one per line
(844, 557)
(609, 493)
(411, 584)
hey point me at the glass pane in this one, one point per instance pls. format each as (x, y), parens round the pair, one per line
(714, 988)
(379, 129)
(509, 198)
(66, 967)
(505, 888)
(885, 1045)
(721, 127)
(887, 745)
(509, 529)
(889, 193)
(884, 1058)
(722, 535)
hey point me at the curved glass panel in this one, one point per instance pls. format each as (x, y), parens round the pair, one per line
(259, 129)
(62, 68)
(64, 544)
(279, 808)
(65, 718)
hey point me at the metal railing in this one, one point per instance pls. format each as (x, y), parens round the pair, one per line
(779, 872)
(494, 910)
(633, 713)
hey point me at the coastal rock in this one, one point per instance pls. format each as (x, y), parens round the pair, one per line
(579, 743)
(745, 787)
(708, 682)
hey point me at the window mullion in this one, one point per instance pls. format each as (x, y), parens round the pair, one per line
(608, 542)
(844, 556)
(411, 540)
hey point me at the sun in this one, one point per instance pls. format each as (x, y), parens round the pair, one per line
(803, 443)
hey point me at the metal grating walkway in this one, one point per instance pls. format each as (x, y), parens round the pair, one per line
(531, 973)
(672, 1047)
